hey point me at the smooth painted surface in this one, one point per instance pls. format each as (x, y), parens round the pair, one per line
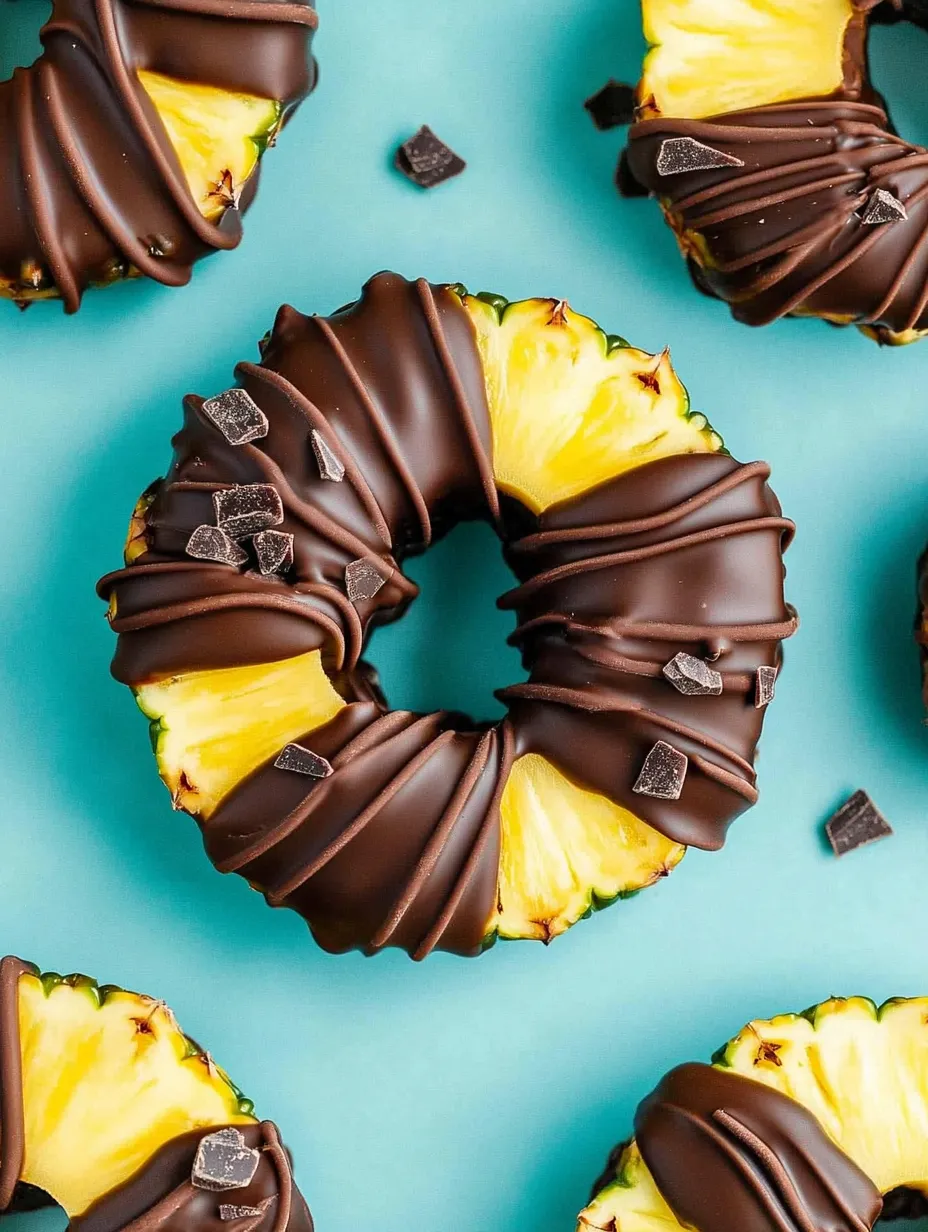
(465, 1096)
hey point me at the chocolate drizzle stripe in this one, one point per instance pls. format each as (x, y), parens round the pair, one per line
(663, 631)
(390, 446)
(738, 682)
(320, 423)
(481, 457)
(12, 1113)
(274, 1148)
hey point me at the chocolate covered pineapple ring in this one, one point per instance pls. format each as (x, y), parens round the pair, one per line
(132, 145)
(649, 608)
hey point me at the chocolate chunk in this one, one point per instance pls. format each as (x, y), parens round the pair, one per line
(613, 106)
(766, 686)
(247, 509)
(680, 154)
(856, 823)
(329, 466)
(426, 160)
(237, 416)
(274, 550)
(883, 207)
(211, 543)
(363, 580)
(303, 761)
(693, 677)
(228, 1213)
(223, 1161)
(663, 773)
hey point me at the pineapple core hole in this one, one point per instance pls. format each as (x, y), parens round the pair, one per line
(20, 45)
(461, 577)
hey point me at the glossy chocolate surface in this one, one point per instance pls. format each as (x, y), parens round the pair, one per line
(400, 844)
(90, 186)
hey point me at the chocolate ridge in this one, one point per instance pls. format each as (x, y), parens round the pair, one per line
(90, 186)
(400, 844)
(784, 232)
(12, 1116)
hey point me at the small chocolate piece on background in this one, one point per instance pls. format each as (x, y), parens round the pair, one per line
(303, 761)
(680, 154)
(248, 508)
(426, 160)
(883, 207)
(237, 416)
(663, 773)
(223, 1161)
(329, 465)
(274, 550)
(613, 106)
(363, 580)
(766, 686)
(211, 543)
(693, 677)
(857, 823)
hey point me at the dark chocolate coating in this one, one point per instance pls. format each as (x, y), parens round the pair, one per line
(730, 1154)
(400, 845)
(784, 232)
(90, 186)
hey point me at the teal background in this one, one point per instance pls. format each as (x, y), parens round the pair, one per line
(463, 1096)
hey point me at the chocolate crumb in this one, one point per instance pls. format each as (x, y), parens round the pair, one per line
(211, 543)
(681, 154)
(883, 207)
(363, 580)
(766, 686)
(246, 509)
(330, 467)
(303, 761)
(274, 550)
(237, 416)
(426, 160)
(857, 823)
(228, 1212)
(663, 773)
(693, 677)
(223, 1161)
(613, 106)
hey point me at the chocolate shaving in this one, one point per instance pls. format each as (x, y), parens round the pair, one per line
(237, 416)
(680, 154)
(274, 550)
(693, 677)
(363, 580)
(883, 207)
(426, 160)
(613, 106)
(663, 773)
(329, 465)
(303, 761)
(766, 686)
(857, 823)
(246, 509)
(228, 1212)
(211, 543)
(223, 1161)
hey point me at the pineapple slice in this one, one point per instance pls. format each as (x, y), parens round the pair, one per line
(570, 406)
(709, 57)
(108, 1078)
(567, 851)
(862, 1071)
(211, 729)
(218, 136)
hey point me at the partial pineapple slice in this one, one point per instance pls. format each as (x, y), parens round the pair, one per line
(108, 1078)
(218, 136)
(211, 729)
(567, 851)
(861, 1070)
(708, 58)
(570, 406)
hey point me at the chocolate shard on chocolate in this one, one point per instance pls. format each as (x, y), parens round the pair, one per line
(730, 1154)
(426, 160)
(329, 465)
(693, 677)
(247, 509)
(765, 686)
(211, 543)
(680, 154)
(237, 416)
(613, 106)
(274, 550)
(363, 580)
(303, 761)
(857, 823)
(883, 207)
(663, 773)
(227, 1212)
(223, 1161)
